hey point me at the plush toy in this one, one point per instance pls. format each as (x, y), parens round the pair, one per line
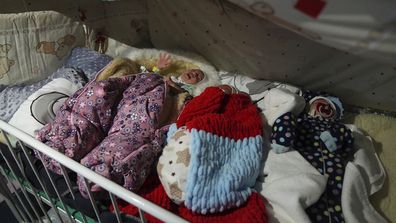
(324, 142)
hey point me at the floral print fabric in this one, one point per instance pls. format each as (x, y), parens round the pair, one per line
(112, 127)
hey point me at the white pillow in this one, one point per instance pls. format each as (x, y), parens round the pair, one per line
(273, 98)
(41, 106)
(35, 44)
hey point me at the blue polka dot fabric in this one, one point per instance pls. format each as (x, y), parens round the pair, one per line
(312, 137)
(87, 60)
(11, 97)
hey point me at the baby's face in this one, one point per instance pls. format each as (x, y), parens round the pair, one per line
(323, 108)
(192, 76)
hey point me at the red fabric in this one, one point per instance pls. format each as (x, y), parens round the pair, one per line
(233, 116)
(202, 104)
(253, 210)
(312, 8)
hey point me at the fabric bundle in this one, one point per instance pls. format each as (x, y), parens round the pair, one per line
(225, 150)
(111, 127)
(324, 142)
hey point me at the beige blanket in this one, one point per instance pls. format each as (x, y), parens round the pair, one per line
(383, 131)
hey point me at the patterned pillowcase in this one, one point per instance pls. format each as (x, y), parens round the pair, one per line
(35, 44)
(89, 61)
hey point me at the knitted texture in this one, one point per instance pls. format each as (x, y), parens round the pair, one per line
(226, 150)
(202, 105)
(233, 116)
(221, 171)
(253, 211)
(239, 119)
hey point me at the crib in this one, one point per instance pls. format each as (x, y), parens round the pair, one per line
(27, 208)
(319, 43)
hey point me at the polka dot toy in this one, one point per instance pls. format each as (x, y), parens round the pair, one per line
(305, 134)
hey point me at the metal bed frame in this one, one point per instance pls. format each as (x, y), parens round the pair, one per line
(30, 211)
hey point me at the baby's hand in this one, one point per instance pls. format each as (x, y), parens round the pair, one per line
(164, 61)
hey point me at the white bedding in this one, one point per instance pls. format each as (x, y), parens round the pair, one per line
(25, 120)
(290, 184)
(382, 130)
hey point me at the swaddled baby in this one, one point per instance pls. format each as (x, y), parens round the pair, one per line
(115, 125)
(324, 142)
(149, 104)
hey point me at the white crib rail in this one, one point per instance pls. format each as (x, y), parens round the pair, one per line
(113, 188)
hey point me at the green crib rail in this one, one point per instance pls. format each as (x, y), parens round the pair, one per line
(77, 215)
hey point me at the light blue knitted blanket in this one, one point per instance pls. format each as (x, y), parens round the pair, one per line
(221, 171)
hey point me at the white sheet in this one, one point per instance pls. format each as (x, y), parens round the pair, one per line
(292, 184)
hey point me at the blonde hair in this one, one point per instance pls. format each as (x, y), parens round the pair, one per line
(118, 67)
(176, 68)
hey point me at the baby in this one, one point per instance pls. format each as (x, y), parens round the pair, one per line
(319, 136)
(194, 81)
(186, 81)
(179, 87)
